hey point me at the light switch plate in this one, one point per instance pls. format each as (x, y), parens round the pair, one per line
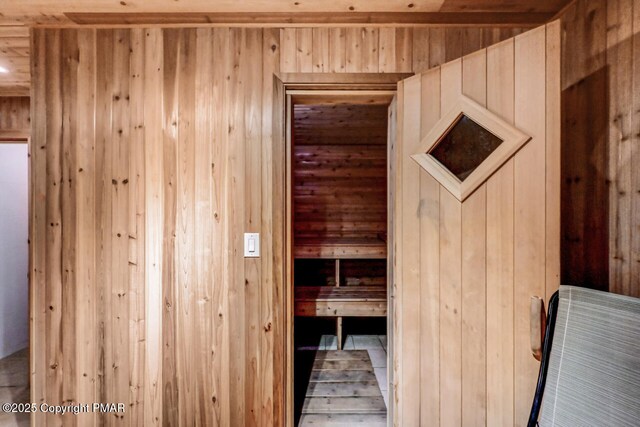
(251, 245)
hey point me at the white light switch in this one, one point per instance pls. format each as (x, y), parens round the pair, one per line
(251, 245)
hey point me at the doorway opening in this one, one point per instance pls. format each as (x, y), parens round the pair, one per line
(14, 283)
(338, 208)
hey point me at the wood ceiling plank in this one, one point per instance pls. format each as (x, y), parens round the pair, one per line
(286, 18)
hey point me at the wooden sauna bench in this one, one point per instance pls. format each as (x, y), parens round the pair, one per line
(340, 301)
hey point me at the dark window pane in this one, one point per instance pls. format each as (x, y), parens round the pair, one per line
(464, 147)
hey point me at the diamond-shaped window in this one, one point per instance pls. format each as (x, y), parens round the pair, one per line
(466, 146)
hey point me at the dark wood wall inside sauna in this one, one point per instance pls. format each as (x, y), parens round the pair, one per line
(339, 173)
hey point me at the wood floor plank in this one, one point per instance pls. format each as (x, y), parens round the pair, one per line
(343, 365)
(346, 376)
(315, 405)
(343, 420)
(351, 389)
(342, 355)
(343, 391)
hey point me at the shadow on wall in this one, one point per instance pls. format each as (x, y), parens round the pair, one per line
(585, 185)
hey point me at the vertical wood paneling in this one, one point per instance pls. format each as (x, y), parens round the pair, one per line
(450, 273)
(619, 61)
(117, 371)
(337, 50)
(237, 308)
(585, 147)
(409, 388)
(404, 46)
(53, 257)
(493, 251)
(69, 44)
(386, 49)
(154, 230)
(152, 153)
(500, 314)
(136, 231)
(354, 48)
(304, 48)
(185, 227)
(38, 228)
(438, 47)
(421, 49)
(396, 286)
(103, 202)
(471, 40)
(552, 160)
(450, 310)
(170, 262)
(453, 43)
(635, 154)
(392, 155)
(204, 167)
(252, 211)
(529, 221)
(222, 71)
(474, 218)
(370, 46)
(289, 55)
(430, 264)
(282, 389)
(473, 312)
(270, 358)
(320, 53)
(86, 342)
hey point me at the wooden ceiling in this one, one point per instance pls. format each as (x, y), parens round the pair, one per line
(66, 12)
(14, 57)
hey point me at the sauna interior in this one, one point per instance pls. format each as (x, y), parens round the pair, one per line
(232, 213)
(339, 219)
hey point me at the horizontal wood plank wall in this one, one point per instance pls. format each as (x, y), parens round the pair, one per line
(600, 223)
(15, 114)
(14, 57)
(339, 173)
(151, 155)
(465, 271)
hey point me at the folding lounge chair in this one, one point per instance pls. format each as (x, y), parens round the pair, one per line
(590, 367)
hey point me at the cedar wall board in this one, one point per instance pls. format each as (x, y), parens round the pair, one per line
(14, 115)
(464, 272)
(601, 150)
(152, 152)
(145, 152)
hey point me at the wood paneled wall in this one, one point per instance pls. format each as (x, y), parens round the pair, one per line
(382, 50)
(339, 173)
(464, 272)
(601, 145)
(151, 155)
(14, 57)
(14, 114)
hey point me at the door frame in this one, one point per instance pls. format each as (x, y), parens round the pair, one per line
(284, 84)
